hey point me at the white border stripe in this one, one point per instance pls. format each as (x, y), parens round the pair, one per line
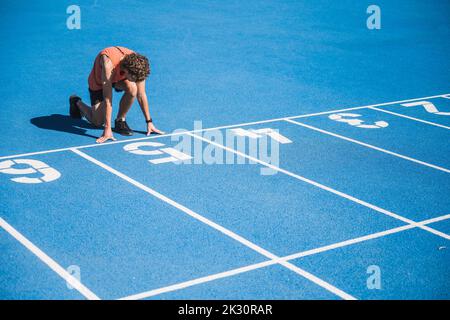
(321, 186)
(230, 273)
(372, 105)
(216, 128)
(190, 283)
(52, 264)
(365, 238)
(217, 227)
(411, 118)
(180, 132)
(369, 146)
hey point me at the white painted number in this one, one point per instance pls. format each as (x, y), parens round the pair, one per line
(35, 166)
(428, 106)
(134, 148)
(174, 154)
(257, 133)
(350, 118)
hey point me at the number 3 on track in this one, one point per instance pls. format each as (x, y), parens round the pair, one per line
(351, 119)
(34, 166)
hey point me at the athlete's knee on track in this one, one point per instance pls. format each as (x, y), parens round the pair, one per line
(128, 87)
(131, 88)
(97, 122)
(97, 119)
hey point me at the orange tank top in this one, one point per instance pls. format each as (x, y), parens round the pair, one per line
(115, 54)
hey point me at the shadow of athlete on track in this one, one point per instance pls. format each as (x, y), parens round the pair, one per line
(64, 123)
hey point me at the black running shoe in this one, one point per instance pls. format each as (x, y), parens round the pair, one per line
(121, 127)
(74, 110)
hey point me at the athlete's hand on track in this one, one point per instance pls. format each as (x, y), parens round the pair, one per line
(151, 128)
(107, 134)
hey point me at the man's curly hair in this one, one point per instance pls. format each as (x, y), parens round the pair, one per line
(137, 65)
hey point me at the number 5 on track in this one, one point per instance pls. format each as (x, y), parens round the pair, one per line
(34, 166)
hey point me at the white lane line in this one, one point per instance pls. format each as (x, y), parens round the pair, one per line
(233, 272)
(217, 227)
(209, 129)
(179, 132)
(366, 238)
(321, 186)
(52, 264)
(190, 283)
(411, 118)
(371, 105)
(370, 146)
(34, 153)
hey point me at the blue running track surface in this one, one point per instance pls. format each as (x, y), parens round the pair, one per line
(346, 196)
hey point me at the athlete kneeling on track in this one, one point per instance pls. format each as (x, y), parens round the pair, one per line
(124, 70)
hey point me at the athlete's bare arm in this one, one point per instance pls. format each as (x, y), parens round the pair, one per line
(143, 103)
(107, 68)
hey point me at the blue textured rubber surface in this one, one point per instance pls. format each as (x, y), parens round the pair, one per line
(350, 188)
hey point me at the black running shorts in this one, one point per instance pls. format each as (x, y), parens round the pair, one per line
(97, 95)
